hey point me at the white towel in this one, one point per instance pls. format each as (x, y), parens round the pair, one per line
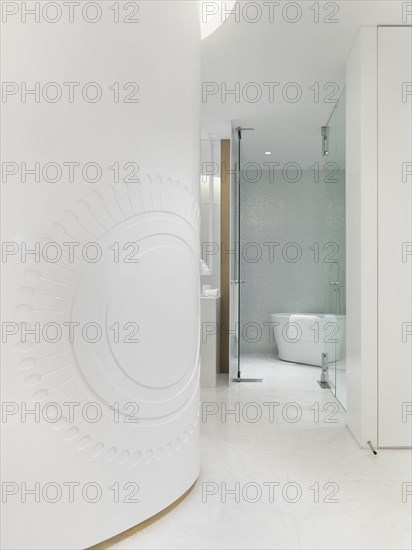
(212, 292)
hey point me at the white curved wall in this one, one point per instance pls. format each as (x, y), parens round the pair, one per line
(138, 468)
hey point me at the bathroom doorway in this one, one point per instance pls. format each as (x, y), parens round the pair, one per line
(287, 288)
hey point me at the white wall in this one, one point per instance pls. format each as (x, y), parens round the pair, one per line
(159, 212)
(281, 222)
(379, 210)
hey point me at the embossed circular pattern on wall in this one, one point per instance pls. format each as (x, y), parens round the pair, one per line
(159, 293)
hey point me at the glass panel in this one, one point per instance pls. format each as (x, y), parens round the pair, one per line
(341, 160)
(335, 303)
(234, 342)
(288, 229)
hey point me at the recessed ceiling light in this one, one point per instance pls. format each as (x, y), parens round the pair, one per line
(268, 152)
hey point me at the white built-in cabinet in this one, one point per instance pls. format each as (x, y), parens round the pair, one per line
(394, 236)
(379, 236)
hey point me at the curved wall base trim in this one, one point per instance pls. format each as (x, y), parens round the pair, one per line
(107, 544)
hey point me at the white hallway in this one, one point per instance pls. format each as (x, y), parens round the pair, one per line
(270, 483)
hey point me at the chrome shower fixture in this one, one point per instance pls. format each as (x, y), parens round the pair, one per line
(325, 144)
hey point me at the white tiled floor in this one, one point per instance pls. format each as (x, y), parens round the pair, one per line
(369, 513)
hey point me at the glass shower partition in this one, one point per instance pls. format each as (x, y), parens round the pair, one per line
(234, 313)
(334, 177)
(236, 281)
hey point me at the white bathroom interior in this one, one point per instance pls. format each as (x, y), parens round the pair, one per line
(311, 243)
(287, 232)
(286, 295)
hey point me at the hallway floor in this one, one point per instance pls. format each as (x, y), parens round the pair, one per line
(285, 476)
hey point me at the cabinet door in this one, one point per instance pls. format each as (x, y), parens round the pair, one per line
(394, 236)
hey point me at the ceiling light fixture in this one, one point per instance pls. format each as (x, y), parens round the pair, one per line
(268, 152)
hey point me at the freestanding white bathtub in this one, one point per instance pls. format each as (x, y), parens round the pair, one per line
(303, 338)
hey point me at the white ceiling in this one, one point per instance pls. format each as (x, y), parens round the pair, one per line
(304, 52)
